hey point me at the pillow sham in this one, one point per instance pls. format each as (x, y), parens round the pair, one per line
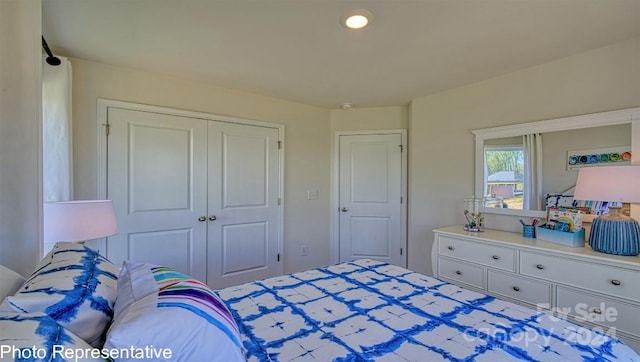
(75, 286)
(157, 306)
(10, 281)
(37, 337)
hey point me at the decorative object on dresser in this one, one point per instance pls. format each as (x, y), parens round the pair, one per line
(596, 290)
(612, 233)
(475, 220)
(79, 220)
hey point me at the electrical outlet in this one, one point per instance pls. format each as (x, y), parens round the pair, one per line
(304, 250)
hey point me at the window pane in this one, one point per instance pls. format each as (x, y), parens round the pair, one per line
(504, 176)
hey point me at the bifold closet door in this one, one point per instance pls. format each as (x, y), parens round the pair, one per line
(157, 179)
(244, 183)
(196, 195)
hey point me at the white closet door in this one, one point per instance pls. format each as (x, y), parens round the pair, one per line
(370, 198)
(244, 181)
(157, 179)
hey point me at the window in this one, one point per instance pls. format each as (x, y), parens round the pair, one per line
(504, 176)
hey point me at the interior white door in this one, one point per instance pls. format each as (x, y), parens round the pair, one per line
(244, 181)
(156, 177)
(370, 183)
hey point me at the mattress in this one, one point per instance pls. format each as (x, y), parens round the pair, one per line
(367, 310)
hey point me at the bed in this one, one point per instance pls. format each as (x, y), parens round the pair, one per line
(78, 306)
(371, 311)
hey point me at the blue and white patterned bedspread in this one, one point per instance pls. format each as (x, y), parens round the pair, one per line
(367, 310)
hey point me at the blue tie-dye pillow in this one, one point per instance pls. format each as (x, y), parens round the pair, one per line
(75, 286)
(171, 311)
(37, 337)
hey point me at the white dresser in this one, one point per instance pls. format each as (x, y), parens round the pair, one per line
(598, 290)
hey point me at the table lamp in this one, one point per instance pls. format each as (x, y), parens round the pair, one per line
(79, 220)
(614, 232)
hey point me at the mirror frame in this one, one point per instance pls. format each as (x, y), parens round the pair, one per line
(622, 116)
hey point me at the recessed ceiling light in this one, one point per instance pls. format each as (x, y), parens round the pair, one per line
(347, 105)
(357, 19)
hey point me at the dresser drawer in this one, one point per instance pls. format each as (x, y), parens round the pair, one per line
(489, 255)
(599, 309)
(523, 289)
(619, 282)
(461, 272)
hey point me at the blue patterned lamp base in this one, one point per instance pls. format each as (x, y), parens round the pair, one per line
(618, 237)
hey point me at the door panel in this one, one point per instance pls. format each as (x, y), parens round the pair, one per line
(156, 176)
(244, 176)
(159, 153)
(237, 240)
(370, 237)
(369, 172)
(243, 240)
(171, 248)
(370, 198)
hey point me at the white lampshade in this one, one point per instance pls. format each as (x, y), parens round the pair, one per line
(608, 183)
(79, 220)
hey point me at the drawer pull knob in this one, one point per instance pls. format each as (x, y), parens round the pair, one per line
(540, 266)
(495, 257)
(458, 272)
(516, 288)
(616, 282)
(596, 311)
(450, 247)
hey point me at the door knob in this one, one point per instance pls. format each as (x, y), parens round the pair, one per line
(202, 218)
(212, 218)
(344, 209)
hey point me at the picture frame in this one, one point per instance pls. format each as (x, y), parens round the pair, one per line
(620, 155)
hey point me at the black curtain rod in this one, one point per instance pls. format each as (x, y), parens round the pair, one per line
(51, 59)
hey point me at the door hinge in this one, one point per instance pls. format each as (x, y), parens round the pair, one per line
(278, 257)
(279, 201)
(400, 251)
(401, 200)
(107, 129)
(401, 148)
(279, 144)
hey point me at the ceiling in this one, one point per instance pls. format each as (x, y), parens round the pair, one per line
(297, 50)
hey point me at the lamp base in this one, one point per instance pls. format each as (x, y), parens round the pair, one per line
(615, 233)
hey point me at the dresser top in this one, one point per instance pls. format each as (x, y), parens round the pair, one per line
(516, 239)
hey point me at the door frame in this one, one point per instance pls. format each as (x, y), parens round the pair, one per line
(103, 106)
(335, 187)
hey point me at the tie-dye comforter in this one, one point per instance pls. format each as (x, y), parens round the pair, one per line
(371, 311)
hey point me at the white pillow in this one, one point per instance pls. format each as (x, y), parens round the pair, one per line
(160, 307)
(37, 337)
(76, 287)
(10, 281)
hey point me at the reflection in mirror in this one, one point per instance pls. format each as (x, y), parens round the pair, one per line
(505, 166)
(502, 172)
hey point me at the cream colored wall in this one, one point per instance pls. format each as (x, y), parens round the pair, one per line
(20, 134)
(374, 118)
(307, 142)
(441, 152)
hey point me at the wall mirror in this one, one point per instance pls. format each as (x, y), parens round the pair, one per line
(566, 145)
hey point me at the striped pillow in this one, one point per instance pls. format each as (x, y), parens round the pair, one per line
(167, 309)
